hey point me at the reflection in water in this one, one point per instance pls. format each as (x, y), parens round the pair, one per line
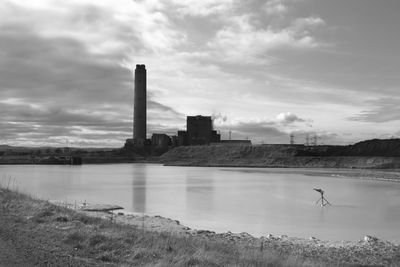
(139, 176)
(199, 193)
(55, 186)
(322, 215)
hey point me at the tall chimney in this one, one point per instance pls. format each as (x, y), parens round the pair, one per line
(139, 108)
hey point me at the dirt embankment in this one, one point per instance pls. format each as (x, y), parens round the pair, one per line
(384, 154)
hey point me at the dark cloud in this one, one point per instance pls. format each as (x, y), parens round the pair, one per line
(54, 116)
(58, 69)
(163, 109)
(386, 110)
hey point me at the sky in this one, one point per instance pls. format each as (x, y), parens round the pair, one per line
(262, 69)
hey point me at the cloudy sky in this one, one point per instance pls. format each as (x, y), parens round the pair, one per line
(262, 68)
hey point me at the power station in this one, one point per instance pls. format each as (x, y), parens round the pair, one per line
(139, 106)
(199, 129)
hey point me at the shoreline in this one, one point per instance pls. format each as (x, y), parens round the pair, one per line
(165, 224)
(386, 175)
(349, 162)
(208, 159)
(162, 224)
(68, 236)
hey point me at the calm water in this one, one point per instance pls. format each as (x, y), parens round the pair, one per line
(257, 201)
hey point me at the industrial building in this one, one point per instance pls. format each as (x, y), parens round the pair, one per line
(199, 129)
(160, 143)
(140, 106)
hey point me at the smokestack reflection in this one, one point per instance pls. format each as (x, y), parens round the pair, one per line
(139, 174)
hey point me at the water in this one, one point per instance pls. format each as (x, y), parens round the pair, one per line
(257, 201)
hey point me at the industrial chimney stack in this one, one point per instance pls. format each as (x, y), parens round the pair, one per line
(139, 108)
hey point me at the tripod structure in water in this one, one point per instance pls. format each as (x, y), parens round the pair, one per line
(323, 200)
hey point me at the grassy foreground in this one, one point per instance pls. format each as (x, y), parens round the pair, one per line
(37, 233)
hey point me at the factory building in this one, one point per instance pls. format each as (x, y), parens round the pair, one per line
(139, 107)
(181, 139)
(199, 131)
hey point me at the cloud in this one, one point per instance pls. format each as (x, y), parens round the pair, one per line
(288, 118)
(153, 105)
(275, 7)
(218, 118)
(261, 130)
(275, 130)
(103, 27)
(307, 23)
(202, 8)
(383, 110)
(241, 41)
(51, 69)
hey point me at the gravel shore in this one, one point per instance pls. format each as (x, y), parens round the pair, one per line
(369, 251)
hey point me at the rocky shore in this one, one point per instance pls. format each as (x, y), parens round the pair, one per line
(368, 251)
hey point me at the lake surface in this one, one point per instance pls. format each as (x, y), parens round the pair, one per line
(254, 200)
